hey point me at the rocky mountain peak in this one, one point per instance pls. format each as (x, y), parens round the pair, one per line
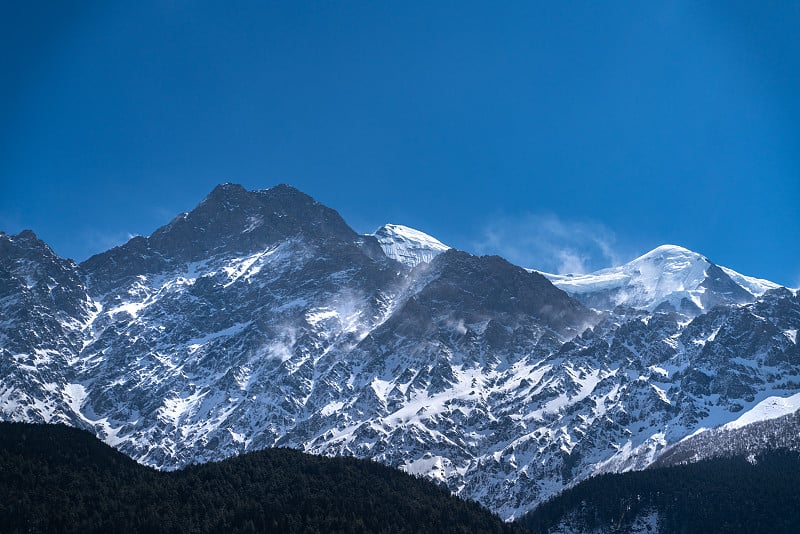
(226, 189)
(229, 221)
(24, 244)
(233, 219)
(27, 234)
(492, 285)
(25, 253)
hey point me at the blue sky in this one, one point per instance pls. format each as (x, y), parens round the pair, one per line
(564, 136)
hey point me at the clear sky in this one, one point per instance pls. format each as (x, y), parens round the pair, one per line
(566, 136)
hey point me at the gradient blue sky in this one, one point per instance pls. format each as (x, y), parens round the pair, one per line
(562, 135)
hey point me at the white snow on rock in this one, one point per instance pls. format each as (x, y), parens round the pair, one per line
(792, 335)
(756, 286)
(769, 408)
(666, 274)
(407, 245)
(266, 346)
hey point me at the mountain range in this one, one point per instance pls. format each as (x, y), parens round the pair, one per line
(261, 319)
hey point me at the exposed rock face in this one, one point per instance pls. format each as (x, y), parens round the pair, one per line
(44, 310)
(260, 319)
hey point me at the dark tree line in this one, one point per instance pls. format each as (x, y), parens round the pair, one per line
(59, 479)
(712, 496)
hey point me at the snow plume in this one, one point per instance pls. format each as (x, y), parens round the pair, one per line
(282, 348)
(349, 306)
(343, 313)
(548, 243)
(456, 326)
(104, 240)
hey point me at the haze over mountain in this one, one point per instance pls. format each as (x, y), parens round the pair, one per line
(261, 319)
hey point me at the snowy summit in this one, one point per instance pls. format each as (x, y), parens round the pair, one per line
(668, 275)
(407, 245)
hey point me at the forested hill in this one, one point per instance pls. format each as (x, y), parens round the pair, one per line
(59, 479)
(719, 495)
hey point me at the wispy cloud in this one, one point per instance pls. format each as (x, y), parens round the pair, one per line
(548, 243)
(96, 241)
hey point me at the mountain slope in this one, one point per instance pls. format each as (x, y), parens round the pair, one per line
(44, 313)
(195, 348)
(760, 430)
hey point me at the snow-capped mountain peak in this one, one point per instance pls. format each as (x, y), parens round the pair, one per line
(667, 276)
(261, 319)
(407, 245)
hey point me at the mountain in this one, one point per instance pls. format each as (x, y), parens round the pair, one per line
(260, 319)
(58, 479)
(407, 245)
(45, 309)
(230, 222)
(667, 277)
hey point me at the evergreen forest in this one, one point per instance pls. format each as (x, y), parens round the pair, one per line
(60, 479)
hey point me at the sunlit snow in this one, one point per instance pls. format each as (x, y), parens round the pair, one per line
(407, 245)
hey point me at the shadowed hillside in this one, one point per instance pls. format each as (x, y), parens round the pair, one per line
(718, 495)
(59, 479)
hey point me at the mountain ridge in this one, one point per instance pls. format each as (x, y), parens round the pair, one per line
(668, 276)
(467, 370)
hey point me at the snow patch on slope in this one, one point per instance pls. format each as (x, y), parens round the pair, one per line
(435, 467)
(769, 408)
